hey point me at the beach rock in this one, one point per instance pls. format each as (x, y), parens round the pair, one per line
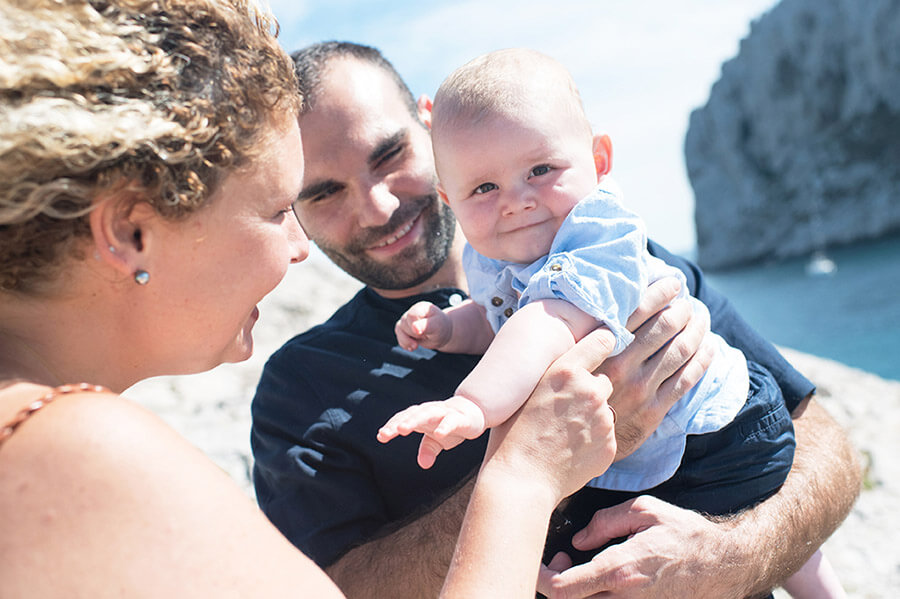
(798, 146)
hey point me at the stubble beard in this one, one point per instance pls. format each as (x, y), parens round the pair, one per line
(413, 265)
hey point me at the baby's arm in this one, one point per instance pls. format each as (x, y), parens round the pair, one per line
(461, 329)
(507, 373)
(525, 346)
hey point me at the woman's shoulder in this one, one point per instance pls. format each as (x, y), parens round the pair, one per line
(109, 494)
(82, 431)
(51, 417)
(68, 437)
(88, 445)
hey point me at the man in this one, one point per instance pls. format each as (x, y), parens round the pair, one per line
(381, 526)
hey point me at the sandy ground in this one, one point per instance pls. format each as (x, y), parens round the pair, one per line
(212, 411)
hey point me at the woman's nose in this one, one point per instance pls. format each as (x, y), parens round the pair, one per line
(299, 242)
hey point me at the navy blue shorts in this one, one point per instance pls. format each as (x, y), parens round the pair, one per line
(722, 472)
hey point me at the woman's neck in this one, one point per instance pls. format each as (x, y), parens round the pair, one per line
(57, 341)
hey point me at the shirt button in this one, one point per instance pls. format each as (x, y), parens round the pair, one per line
(497, 302)
(508, 312)
(555, 267)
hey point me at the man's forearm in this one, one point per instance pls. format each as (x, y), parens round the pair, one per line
(780, 534)
(410, 562)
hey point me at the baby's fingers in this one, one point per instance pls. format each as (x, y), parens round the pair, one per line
(398, 424)
(405, 339)
(459, 425)
(430, 447)
(422, 418)
(428, 452)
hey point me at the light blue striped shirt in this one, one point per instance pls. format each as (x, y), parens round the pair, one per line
(599, 262)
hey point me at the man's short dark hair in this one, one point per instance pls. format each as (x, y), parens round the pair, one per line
(310, 63)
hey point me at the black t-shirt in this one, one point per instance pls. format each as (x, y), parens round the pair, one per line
(320, 474)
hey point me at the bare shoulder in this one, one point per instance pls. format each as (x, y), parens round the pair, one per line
(111, 496)
(83, 454)
(81, 430)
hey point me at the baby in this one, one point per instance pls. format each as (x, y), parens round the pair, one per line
(552, 254)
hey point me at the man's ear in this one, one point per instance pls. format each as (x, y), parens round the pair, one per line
(423, 106)
(118, 223)
(602, 147)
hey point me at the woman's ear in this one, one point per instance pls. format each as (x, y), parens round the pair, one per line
(423, 107)
(602, 147)
(117, 223)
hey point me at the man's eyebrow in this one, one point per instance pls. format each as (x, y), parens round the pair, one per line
(317, 188)
(386, 146)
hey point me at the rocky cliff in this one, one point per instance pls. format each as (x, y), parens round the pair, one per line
(798, 146)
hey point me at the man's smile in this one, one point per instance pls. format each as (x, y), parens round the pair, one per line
(397, 235)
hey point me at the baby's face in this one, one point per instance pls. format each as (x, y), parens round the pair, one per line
(512, 181)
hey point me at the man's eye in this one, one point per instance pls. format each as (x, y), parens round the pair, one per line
(485, 188)
(320, 195)
(388, 156)
(539, 170)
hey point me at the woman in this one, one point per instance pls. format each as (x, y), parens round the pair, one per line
(149, 157)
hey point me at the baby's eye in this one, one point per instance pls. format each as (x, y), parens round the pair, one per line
(485, 188)
(539, 170)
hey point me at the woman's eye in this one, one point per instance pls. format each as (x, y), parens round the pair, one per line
(542, 169)
(485, 188)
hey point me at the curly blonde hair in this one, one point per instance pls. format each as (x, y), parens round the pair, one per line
(164, 95)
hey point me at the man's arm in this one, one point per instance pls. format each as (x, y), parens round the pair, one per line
(820, 490)
(676, 553)
(411, 562)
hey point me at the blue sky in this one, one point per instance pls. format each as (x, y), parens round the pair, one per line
(641, 66)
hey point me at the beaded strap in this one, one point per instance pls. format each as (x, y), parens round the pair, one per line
(7, 431)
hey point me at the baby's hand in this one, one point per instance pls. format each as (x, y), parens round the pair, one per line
(444, 424)
(423, 324)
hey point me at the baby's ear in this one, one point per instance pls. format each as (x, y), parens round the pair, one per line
(603, 154)
(442, 194)
(423, 107)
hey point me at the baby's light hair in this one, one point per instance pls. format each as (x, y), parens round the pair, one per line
(163, 95)
(506, 83)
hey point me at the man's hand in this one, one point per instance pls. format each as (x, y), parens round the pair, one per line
(668, 356)
(652, 562)
(673, 552)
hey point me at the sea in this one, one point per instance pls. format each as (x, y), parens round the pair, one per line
(842, 304)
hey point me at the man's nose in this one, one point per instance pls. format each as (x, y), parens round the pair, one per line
(376, 205)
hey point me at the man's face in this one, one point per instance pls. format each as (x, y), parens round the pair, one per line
(368, 198)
